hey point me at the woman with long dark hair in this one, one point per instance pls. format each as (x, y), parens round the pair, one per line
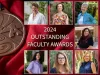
(86, 40)
(35, 66)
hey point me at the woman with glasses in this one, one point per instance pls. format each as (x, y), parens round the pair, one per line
(61, 64)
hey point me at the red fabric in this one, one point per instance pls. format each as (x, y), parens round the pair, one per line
(13, 64)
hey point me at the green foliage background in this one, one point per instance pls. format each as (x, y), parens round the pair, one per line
(53, 55)
(42, 8)
(67, 10)
(29, 59)
(92, 9)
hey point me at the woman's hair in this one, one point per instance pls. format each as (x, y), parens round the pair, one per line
(62, 6)
(66, 64)
(84, 31)
(85, 4)
(87, 52)
(35, 4)
(34, 57)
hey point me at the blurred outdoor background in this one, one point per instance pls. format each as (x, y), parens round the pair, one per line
(92, 9)
(79, 58)
(67, 9)
(94, 33)
(43, 5)
(28, 55)
(69, 54)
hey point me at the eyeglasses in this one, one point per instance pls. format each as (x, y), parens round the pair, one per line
(60, 58)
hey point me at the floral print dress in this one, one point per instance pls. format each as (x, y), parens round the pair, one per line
(61, 19)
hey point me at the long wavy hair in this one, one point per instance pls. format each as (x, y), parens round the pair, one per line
(34, 57)
(66, 64)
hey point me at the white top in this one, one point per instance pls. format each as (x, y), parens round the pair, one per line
(80, 21)
(38, 19)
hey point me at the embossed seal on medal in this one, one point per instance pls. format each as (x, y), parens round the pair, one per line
(12, 33)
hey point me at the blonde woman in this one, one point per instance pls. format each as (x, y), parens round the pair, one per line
(87, 66)
(61, 64)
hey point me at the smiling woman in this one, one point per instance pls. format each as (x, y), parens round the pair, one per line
(85, 13)
(35, 12)
(61, 64)
(86, 39)
(87, 66)
(35, 66)
(61, 13)
(60, 18)
(86, 62)
(36, 17)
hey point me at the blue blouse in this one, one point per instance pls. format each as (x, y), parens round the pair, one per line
(35, 67)
(53, 70)
(87, 18)
(85, 67)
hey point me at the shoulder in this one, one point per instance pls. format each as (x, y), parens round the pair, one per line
(41, 65)
(79, 14)
(65, 14)
(41, 14)
(32, 62)
(31, 14)
(54, 15)
(53, 70)
(88, 14)
(90, 37)
(81, 63)
(92, 64)
(81, 37)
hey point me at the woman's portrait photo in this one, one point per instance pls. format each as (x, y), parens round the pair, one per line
(61, 13)
(61, 62)
(86, 37)
(35, 62)
(35, 13)
(86, 62)
(86, 13)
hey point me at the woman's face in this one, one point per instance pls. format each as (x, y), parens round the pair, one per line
(86, 32)
(34, 9)
(37, 56)
(83, 8)
(59, 7)
(61, 59)
(86, 57)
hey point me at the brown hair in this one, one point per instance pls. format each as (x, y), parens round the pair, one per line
(62, 6)
(56, 64)
(35, 4)
(84, 31)
(86, 54)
